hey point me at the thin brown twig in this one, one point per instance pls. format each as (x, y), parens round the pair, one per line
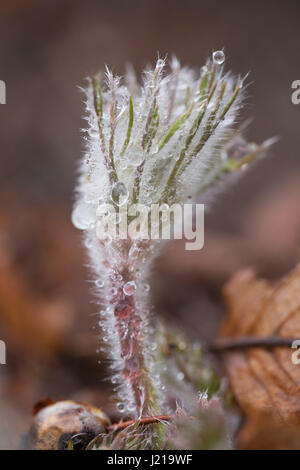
(141, 421)
(269, 342)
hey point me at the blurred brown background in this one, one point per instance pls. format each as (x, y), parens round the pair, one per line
(46, 50)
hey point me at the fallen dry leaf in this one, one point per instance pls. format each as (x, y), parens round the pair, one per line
(37, 264)
(265, 382)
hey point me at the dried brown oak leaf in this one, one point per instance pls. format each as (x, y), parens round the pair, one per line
(265, 382)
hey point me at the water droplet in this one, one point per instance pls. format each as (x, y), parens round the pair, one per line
(129, 288)
(82, 216)
(131, 407)
(119, 193)
(123, 164)
(180, 376)
(99, 283)
(146, 287)
(218, 57)
(121, 407)
(244, 166)
(88, 243)
(136, 157)
(160, 63)
(113, 291)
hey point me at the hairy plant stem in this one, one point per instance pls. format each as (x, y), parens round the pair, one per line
(130, 326)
